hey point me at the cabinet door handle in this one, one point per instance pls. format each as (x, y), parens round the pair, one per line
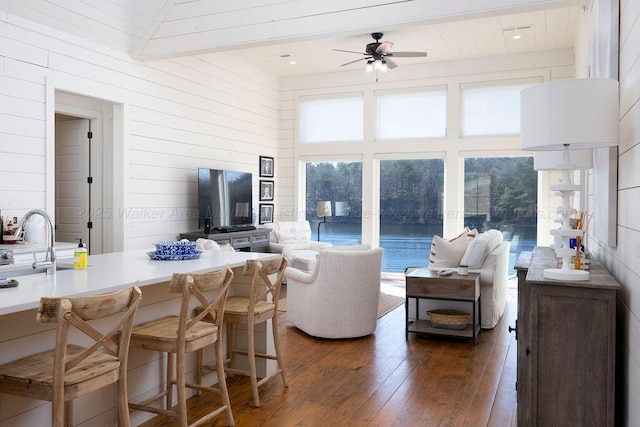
(528, 351)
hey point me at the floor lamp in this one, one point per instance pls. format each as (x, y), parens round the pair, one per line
(567, 115)
(323, 210)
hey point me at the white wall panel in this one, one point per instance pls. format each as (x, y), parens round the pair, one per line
(623, 261)
(182, 114)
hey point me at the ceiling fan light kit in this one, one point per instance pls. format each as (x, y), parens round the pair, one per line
(378, 55)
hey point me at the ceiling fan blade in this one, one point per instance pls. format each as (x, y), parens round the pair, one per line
(384, 47)
(349, 51)
(390, 63)
(407, 54)
(357, 60)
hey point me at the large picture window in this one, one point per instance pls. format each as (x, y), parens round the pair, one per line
(411, 114)
(331, 119)
(411, 206)
(340, 184)
(502, 193)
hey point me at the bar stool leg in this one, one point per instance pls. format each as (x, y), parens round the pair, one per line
(276, 344)
(231, 344)
(199, 368)
(68, 413)
(181, 389)
(251, 354)
(222, 382)
(170, 371)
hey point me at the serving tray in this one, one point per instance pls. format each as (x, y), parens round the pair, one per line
(154, 255)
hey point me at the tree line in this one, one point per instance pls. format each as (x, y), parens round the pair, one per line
(498, 191)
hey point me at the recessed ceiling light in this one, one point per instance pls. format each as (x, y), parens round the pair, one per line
(516, 31)
(292, 62)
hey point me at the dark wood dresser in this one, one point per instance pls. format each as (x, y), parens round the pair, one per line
(566, 345)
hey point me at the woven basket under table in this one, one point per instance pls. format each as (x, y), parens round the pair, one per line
(447, 318)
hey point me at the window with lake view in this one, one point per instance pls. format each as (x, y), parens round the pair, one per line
(411, 207)
(341, 184)
(502, 193)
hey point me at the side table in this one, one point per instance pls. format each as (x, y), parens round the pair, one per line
(424, 283)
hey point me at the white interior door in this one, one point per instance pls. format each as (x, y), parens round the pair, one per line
(72, 190)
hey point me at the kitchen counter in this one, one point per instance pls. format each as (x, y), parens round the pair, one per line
(110, 272)
(21, 335)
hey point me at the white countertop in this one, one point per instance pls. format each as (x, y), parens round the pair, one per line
(110, 272)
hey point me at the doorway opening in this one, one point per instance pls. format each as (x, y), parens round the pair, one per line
(83, 171)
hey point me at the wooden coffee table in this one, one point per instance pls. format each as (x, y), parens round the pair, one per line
(423, 283)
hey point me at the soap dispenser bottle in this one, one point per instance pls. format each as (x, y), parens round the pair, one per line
(80, 256)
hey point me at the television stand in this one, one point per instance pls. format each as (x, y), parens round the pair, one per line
(233, 229)
(252, 240)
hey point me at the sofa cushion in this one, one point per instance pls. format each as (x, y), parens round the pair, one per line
(448, 253)
(297, 239)
(480, 248)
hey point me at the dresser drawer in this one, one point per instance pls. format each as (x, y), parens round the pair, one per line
(237, 241)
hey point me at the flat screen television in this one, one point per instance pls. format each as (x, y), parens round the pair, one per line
(224, 196)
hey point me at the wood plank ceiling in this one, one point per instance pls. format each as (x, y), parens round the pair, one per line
(272, 33)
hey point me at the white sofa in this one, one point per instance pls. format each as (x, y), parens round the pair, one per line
(292, 239)
(493, 259)
(339, 298)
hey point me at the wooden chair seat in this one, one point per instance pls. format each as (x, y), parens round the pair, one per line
(162, 335)
(36, 372)
(70, 371)
(239, 306)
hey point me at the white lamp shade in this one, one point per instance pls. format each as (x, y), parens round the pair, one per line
(553, 160)
(324, 208)
(580, 112)
(342, 209)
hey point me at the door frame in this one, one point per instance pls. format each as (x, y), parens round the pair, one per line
(114, 230)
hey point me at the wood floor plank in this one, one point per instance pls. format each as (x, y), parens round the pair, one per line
(382, 380)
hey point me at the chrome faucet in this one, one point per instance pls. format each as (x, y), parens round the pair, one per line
(50, 258)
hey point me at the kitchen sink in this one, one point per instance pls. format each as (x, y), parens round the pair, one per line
(10, 271)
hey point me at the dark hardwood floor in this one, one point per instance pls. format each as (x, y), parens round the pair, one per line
(383, 380)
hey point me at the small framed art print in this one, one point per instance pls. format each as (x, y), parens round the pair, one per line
(266, 167)
(266, 213)
(266, 190)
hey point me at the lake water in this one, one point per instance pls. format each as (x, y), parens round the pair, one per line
(405, 245)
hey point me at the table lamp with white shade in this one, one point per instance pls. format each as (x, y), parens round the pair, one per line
(323, 210)
(568, 115)
(554, 161)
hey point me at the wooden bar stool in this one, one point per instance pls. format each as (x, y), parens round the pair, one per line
(251, 311)
(70, 371)
(180, 335)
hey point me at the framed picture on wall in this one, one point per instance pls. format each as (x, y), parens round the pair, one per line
(266, 190)
(266, 167)
(266, 213)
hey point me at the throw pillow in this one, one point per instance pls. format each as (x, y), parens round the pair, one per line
(448, 253)
(295, 239)
(480, 248)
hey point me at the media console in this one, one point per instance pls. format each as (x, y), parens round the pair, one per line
(246, 241)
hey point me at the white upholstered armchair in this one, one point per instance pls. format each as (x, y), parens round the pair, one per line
(292, 239)
(339, 298)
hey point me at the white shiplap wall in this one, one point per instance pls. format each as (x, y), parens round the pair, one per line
(209, 110)
(623, 261)
(180, 114)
